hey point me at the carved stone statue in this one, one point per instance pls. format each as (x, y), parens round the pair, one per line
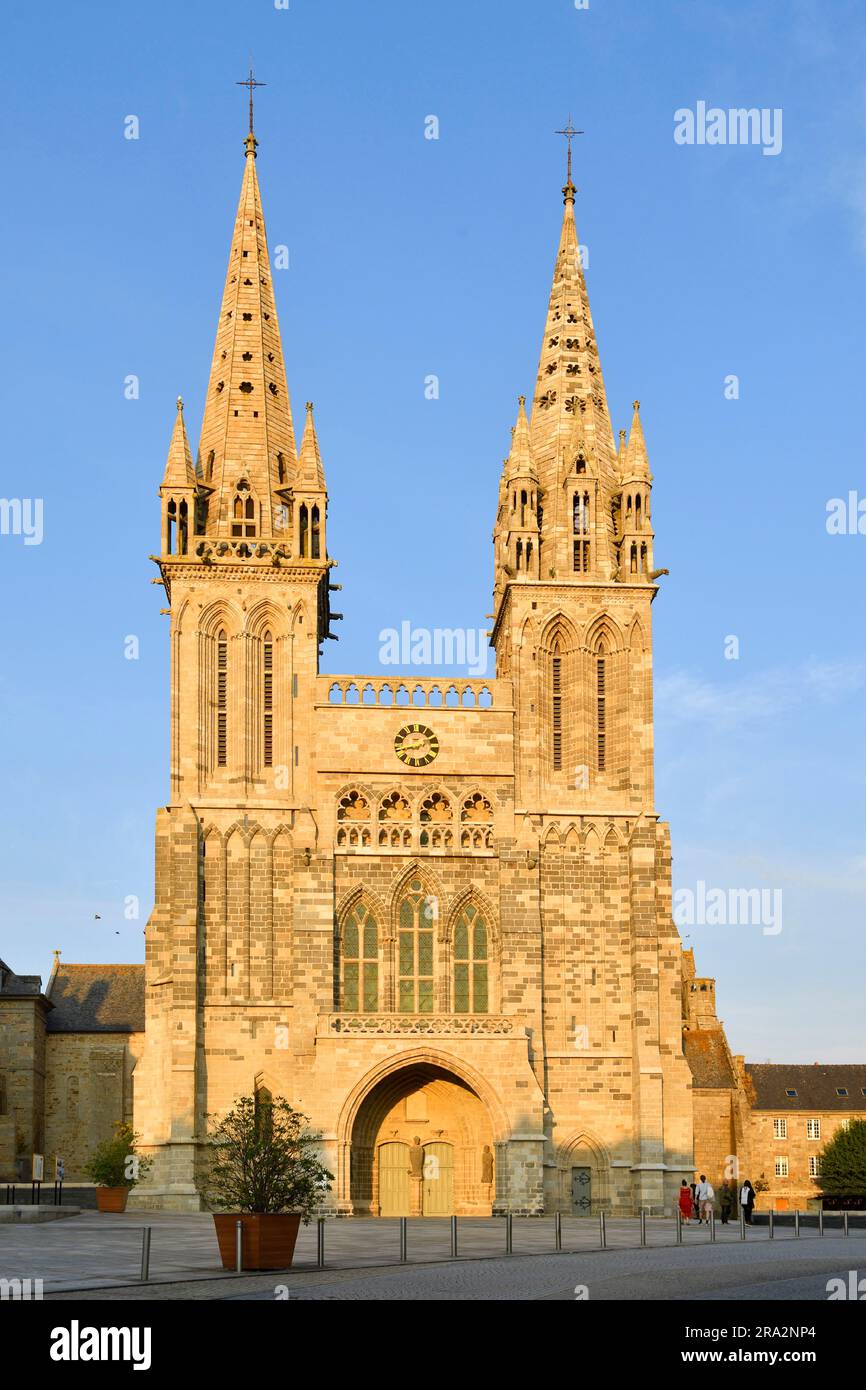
(416, 1158)
(486, 1164)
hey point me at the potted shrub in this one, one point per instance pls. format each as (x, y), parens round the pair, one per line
(264, 1171)
(116, 1167)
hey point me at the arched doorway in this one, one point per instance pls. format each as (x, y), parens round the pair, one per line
(416, 1146)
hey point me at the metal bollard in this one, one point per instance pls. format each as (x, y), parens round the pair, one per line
(509, 1234)
(643, 1226)
(821, 1221)
(404, 1239)
(454, 1237)
(712, 1224)
(797, 1224)
(557, 1230)
(679, 1227)
(239, 1247)
(742, 1224)
(845, 1223)
(320, 1242)
(770, 1223)
(602, 1230)
(145, 1254)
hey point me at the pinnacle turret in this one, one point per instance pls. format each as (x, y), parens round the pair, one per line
(179, 491)
(179, 469)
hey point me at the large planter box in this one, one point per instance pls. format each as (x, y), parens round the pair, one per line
(268, 1241)
(111, 1198)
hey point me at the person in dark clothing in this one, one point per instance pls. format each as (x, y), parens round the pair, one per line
(747, 1201)
(726, 1199)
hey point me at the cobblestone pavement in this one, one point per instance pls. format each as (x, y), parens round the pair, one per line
(743, 1272)
(100, 1251)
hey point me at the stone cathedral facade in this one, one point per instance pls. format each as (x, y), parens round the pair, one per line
(435, 916)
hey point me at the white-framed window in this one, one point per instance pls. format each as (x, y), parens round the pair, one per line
(813, 1130)
(780, 1129)
(814, 1166)
(781, 1167)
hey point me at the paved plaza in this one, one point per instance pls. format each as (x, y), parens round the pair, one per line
(100, 1252)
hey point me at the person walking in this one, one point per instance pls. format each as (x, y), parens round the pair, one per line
(706, 1196)
(747, 1200)
(685, 1201)
(693, 1188)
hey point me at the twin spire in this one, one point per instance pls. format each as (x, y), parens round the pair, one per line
(592, 496)
(247, 445)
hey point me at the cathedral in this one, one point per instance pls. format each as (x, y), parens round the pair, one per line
(434, 915)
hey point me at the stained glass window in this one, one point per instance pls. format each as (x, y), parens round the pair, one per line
(470, 963)
(360, 961)
(415, 951)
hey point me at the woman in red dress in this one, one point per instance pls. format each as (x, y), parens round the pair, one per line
(685, 1200)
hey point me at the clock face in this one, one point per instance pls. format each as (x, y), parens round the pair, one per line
(416, 745)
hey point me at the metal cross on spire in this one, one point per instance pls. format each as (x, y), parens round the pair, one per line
(569, 132)
(251, 83)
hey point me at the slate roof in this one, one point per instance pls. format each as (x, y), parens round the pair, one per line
(815, 1085)
(10, 983)
(708, 1059)
(96, 999)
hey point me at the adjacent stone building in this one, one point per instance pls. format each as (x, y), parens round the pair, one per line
(66, 1061)
(434, 915)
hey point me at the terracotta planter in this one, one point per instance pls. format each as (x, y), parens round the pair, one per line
(111, 1198)
(268, 1241)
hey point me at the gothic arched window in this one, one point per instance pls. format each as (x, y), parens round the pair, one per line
(360, 961)
(303, 529)
(243, 511)
(415, 951)
(315, 540)
(470, 963)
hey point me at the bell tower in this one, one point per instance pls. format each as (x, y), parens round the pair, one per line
(244, 562)
(573, 579)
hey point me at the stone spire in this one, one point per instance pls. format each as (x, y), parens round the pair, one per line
(310, 475)
(247, 433)
(519, 463)
(571, 428)
(570, 383)
(635, 522)
(310, 497)
(179, 471)
(636, 463)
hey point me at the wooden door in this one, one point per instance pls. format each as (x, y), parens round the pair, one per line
(581, 1191)
(393, 1179)
(438, 1179)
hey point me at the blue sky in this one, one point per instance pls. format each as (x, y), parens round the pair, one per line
(411, 257)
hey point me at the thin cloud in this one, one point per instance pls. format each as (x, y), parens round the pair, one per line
(683, 696)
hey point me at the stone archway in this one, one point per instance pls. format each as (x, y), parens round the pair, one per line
(416, 1141)
(582, 1177)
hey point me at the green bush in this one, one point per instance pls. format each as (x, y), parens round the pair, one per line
(115, 1162)
(263, 1159)
(843, 1162)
